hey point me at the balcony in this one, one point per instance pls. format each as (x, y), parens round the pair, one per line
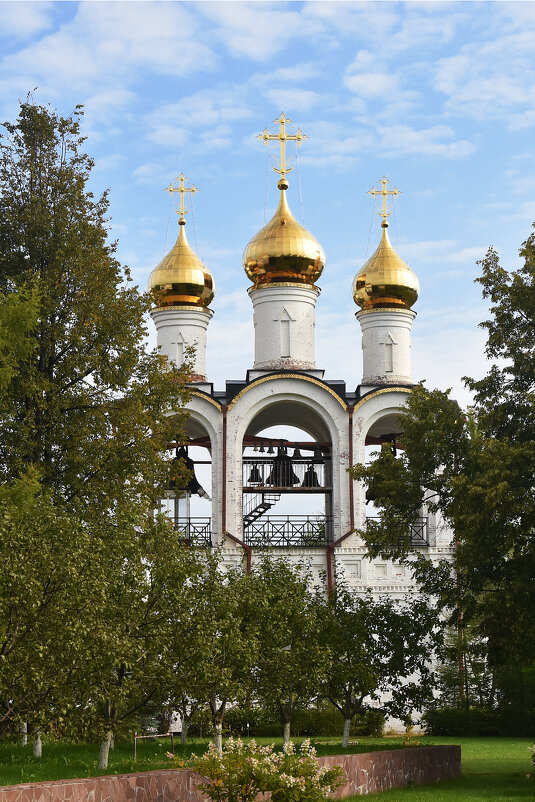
(419, 535)
(289, 531)
(195, 532)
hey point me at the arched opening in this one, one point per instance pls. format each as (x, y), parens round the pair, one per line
(287, 478)
(387, 429)
(187, 499)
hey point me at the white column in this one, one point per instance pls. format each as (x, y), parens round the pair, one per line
(284, 322)
(182, 327)
(386, 345)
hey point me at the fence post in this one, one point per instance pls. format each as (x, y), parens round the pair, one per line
(135, 745)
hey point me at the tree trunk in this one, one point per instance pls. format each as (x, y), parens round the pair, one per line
(105, 750)
(37, 742)
(218, 736)
(345, 737)
(287, 725)
(23, 729)
(112, 741)
(184, 732)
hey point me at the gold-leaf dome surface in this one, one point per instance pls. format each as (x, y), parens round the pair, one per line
(283, 251)
(181, 278)
(385, 280)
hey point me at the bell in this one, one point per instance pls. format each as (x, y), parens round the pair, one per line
(318, 454)
(193, 485)
(255, 477)
(297, 454)
(282, 475)
(255, 448)
(311, 478)
(270, 449)
(261, 449)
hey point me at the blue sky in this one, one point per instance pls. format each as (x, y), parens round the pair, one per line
(438, 96)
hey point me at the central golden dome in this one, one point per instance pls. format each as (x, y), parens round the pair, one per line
(385, 280)
(181, 278)
(283, 251)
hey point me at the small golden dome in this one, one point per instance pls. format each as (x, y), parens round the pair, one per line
(283, 251)
(385, 280)
(181, 278)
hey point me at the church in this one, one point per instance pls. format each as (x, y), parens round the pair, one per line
(273, 448)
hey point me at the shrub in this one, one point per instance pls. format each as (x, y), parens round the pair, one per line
(459, 722)
(242, 771)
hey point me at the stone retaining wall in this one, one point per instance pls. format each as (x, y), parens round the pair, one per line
(366, 773)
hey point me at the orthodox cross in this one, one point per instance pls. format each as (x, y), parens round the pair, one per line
(384, 192)
(283, 136)
(182, 189)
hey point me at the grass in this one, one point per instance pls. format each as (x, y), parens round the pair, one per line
(493, 768)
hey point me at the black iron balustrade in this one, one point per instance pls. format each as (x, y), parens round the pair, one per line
(282, 531)
(303, 475)
(418, 530)
(194, 531)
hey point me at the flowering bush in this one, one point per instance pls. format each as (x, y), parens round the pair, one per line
(243, 771)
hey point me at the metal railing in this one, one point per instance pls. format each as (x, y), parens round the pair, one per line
(194, 531)
(282, 531)
(268, 472)
(418, 531)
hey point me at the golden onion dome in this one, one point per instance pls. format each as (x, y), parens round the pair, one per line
(385, 280)
(181, 278)
(283, 251)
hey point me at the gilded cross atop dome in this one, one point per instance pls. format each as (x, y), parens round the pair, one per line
(384, 213)
(182, 189)
(181, 278)
(385, 281)
(282, 136)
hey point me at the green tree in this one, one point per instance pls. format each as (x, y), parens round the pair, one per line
(227, 646)
(88, 404)
(292, 660)
(86, 415)
(475, 470)
(46, 594)
(381, 652)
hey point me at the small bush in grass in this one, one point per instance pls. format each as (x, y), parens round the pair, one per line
(243, 771)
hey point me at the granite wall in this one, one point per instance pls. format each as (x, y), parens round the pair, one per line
(366, 773)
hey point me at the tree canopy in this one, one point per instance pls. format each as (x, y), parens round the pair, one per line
(476, 470)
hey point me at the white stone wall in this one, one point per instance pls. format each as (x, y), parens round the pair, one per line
(180, 328)
(386, 345)
(284, 320)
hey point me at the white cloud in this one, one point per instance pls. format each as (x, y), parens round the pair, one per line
(111, 42)
(258, 30)
(397, 140)
(24, 20)
(295, 99)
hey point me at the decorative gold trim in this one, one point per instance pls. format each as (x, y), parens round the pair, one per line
(285, 284)
(373, 311)
(205, 397)
(380, 392)
(310, 379)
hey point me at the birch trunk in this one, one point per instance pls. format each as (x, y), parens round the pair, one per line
(37, 742)
(23, 729)
(347, 727)
(286, 733)
(218, 737)
(105, 750)
(112, 741)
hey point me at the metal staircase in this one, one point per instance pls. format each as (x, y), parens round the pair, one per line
(257, 505)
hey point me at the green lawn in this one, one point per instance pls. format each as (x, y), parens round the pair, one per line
(493, 768)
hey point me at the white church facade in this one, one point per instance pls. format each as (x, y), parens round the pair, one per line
(288, 489)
